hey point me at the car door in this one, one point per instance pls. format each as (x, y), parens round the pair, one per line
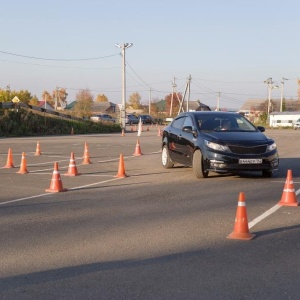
(186, 141)
(174, 131)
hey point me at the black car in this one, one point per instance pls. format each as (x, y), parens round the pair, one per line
(221, 142)
(147, 119)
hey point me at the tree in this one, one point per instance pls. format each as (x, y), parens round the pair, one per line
(84, 102)
(173, 104)
(23, 95)
(135, 101)
(59, 96)
(101, 98)
(34, 101)
(46, 96)
(5, 95)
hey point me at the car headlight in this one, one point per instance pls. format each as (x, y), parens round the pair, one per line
(216, 146)
(271, 147)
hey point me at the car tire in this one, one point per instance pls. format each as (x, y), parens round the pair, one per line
(198, 167)
(165, 158)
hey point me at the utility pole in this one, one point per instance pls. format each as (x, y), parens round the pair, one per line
(123, 108)
(282, 92)
(187, 89)
(172, 96)
(189, 93)
(56, 98)
(218, 101)
(150, 101)
(269, 82)
(8, 92)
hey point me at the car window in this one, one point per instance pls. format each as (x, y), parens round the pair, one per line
(224, 122)
(178, 123)
(188, 122)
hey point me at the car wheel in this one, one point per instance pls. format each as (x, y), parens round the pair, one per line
(267, 174)
(165, 158)
(198, 165)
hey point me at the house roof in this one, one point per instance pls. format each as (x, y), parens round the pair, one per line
(97, 106)
(42, 103)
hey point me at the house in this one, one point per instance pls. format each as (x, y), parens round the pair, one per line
(99, 107)
(105, 107)
(253, 108)
(284, 119)
(46, 105)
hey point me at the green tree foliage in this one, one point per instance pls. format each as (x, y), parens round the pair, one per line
(101, 98)
(84, 102)
(34, 101)
(135, 101)
(6, 95)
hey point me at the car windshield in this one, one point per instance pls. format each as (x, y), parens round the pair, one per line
(226, 122)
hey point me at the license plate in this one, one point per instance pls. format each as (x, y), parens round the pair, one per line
(250, 161)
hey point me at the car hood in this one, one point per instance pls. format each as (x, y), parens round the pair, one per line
(237, 137)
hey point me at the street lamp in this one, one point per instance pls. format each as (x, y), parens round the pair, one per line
(123, 108)
(281, 92)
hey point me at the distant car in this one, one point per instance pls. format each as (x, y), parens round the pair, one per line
(147, 119)
(103, 117)
(203, 141)
(132, 119)
(297, 124)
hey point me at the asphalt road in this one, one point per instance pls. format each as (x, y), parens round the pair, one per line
(156, 234)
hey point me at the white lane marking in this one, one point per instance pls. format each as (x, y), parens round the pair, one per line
(267, 213)
(42, 195)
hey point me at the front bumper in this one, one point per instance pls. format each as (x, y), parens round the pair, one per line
(226, 163)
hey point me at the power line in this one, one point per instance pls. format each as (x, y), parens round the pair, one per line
(63, 67)
(58, 59)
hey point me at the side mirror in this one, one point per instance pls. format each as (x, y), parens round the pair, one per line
(261, 128)
(189, 129)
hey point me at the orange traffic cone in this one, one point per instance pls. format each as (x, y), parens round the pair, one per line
(86, 155)
(123, 132)
(158, 132)
(121, 170)
(288, 197)
(38, 149)
(23, 166)
(72, 170)
(241, 228)
(147, 128)
(9, 162)
(56, 184)
(137, 151)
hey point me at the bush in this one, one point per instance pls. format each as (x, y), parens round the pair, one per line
(15, 123)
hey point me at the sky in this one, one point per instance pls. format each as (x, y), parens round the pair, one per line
(228, 47)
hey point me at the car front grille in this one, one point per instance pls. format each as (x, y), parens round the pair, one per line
(248, 150)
